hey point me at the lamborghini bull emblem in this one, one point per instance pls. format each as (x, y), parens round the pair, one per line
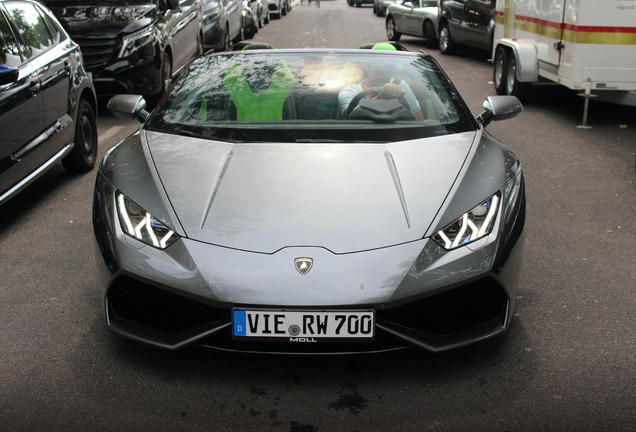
(303, 265)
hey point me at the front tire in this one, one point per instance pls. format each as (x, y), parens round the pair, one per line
(166, 74)
(431, 37)
(199, 45)
(446, 44)
(391, 33)
(84, 154)
(227, 43)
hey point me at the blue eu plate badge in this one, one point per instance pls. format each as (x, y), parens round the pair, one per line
(239, 323)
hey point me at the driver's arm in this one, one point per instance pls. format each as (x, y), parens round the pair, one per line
(414, 105)
(345, 97)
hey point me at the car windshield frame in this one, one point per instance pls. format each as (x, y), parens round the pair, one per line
(282, 95)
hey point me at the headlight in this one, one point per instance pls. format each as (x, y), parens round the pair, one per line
(135, 40)
(141, 225)
(472, 226)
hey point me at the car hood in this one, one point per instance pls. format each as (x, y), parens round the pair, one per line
(102, 19)
(263, 197)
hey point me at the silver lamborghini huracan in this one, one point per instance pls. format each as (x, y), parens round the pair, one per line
(310, 201)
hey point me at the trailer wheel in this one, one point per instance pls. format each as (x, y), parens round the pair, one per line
(499, 71)
(513, 86)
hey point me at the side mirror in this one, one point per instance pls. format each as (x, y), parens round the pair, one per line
(499, 108)
(408, 4)
(128, 107)
(8, 74)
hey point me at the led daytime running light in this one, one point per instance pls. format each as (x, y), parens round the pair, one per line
(142, 226)
(135, 40)
(471, 226)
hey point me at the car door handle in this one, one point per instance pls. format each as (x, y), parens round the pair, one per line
(35, 87)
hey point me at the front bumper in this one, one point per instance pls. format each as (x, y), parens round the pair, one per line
(136, 74)
(423, 296)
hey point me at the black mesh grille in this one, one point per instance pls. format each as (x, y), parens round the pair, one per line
(452, 311)
(151, 307)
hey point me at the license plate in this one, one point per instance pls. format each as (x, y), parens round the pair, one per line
(303, 325)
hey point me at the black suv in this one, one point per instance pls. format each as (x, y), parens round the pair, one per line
(466, 22)
(47, 100)
(133, 46)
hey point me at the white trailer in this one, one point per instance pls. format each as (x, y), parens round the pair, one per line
(585, 45)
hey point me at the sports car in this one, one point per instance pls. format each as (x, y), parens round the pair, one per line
(414, 18)
(258, 210)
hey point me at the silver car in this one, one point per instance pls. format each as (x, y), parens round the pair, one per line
(265, 206)
(413, 18)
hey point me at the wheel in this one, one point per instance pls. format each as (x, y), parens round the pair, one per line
(446, 44)
(241, 34)
(251, 30)
(84, 154)
(166, 73)
(391, 33)
(513, 86)
(166, 80)
(431, 37)
(266, 20)
(199, 45)
(283, 10)
(226, 39)
(499, 71)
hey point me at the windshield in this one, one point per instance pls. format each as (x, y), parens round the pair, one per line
(291, 96)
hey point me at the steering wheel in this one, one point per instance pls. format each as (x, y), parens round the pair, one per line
(356, 99)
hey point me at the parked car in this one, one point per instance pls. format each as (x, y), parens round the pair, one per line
(250, 20)
(47, 100)
(470, 23)
(133, 46)
(380, 6)
(359, 3)
(222, 24)
(253, 213)
(414, 18)
(278, 8)
(262, 11)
